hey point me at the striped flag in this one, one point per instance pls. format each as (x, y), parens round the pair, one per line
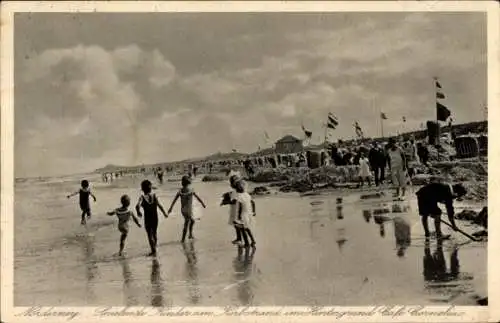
(307, 132)
(383, 116)
(332, 121)
(359, 131)
(442, 112)
(439, 94)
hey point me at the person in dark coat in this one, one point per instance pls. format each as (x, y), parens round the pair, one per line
(423, 153)
(347, 158)
(378, 162)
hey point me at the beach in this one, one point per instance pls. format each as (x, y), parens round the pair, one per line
(309, 252)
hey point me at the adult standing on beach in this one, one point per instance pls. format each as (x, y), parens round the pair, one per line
(378, 161)
(397, 166)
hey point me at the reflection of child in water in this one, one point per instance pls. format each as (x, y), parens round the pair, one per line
(124, 215)
(192, 272)
(85, 195)
(242, 265)
(186, 194)
(156, 284)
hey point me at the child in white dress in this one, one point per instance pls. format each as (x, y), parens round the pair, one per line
(364, 169)
(246, 213)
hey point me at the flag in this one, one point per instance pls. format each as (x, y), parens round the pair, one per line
(383, 116)
(404, 119)
(439, 95)
(359, 131)
(234, 150)
(437, 83)
(266, 134)
(307, 132)
(332, 121)
(442, 112)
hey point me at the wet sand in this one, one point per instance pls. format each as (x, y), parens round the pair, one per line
(309, 252)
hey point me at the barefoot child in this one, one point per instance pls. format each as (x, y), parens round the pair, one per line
(229, 198)
(85, 195)
(186, 194)
(150, 204)
(246, 211)
(124, 215)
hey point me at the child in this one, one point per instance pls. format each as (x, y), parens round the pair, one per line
(229, 198)
(186, 194)
(85, 194)
(246, 209)
(150, 204)
(124, 215)
(364, 169)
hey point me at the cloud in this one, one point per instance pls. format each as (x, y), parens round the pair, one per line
(101, 110)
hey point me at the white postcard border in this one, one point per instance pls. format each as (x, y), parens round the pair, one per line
(11, 314)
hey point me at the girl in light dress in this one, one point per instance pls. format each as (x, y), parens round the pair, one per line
(245, 213)
(124, 214)
(186, 194)
(364, 169)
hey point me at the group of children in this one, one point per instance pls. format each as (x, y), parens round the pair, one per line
(242, 209)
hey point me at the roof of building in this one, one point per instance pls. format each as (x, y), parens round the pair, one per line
(288, 138)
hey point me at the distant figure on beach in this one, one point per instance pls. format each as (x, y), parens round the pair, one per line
(397, 166)
(85, 195)
(186, 194)
(245, 213)
(160, 175)
(423, 153)
(150, 204)
(428, 198)
(124, 215)
(248, 167)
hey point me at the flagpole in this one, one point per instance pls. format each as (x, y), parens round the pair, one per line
(435, 109)
(381, 123)
(326, 134)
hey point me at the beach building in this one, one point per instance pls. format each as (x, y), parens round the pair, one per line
(289, 145)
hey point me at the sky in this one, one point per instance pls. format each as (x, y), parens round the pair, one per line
(93, 89)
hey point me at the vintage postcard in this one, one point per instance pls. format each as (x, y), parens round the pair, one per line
(249, 161)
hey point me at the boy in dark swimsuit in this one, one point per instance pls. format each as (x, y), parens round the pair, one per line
(150, 204)
(85, 195)
(428, 198)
